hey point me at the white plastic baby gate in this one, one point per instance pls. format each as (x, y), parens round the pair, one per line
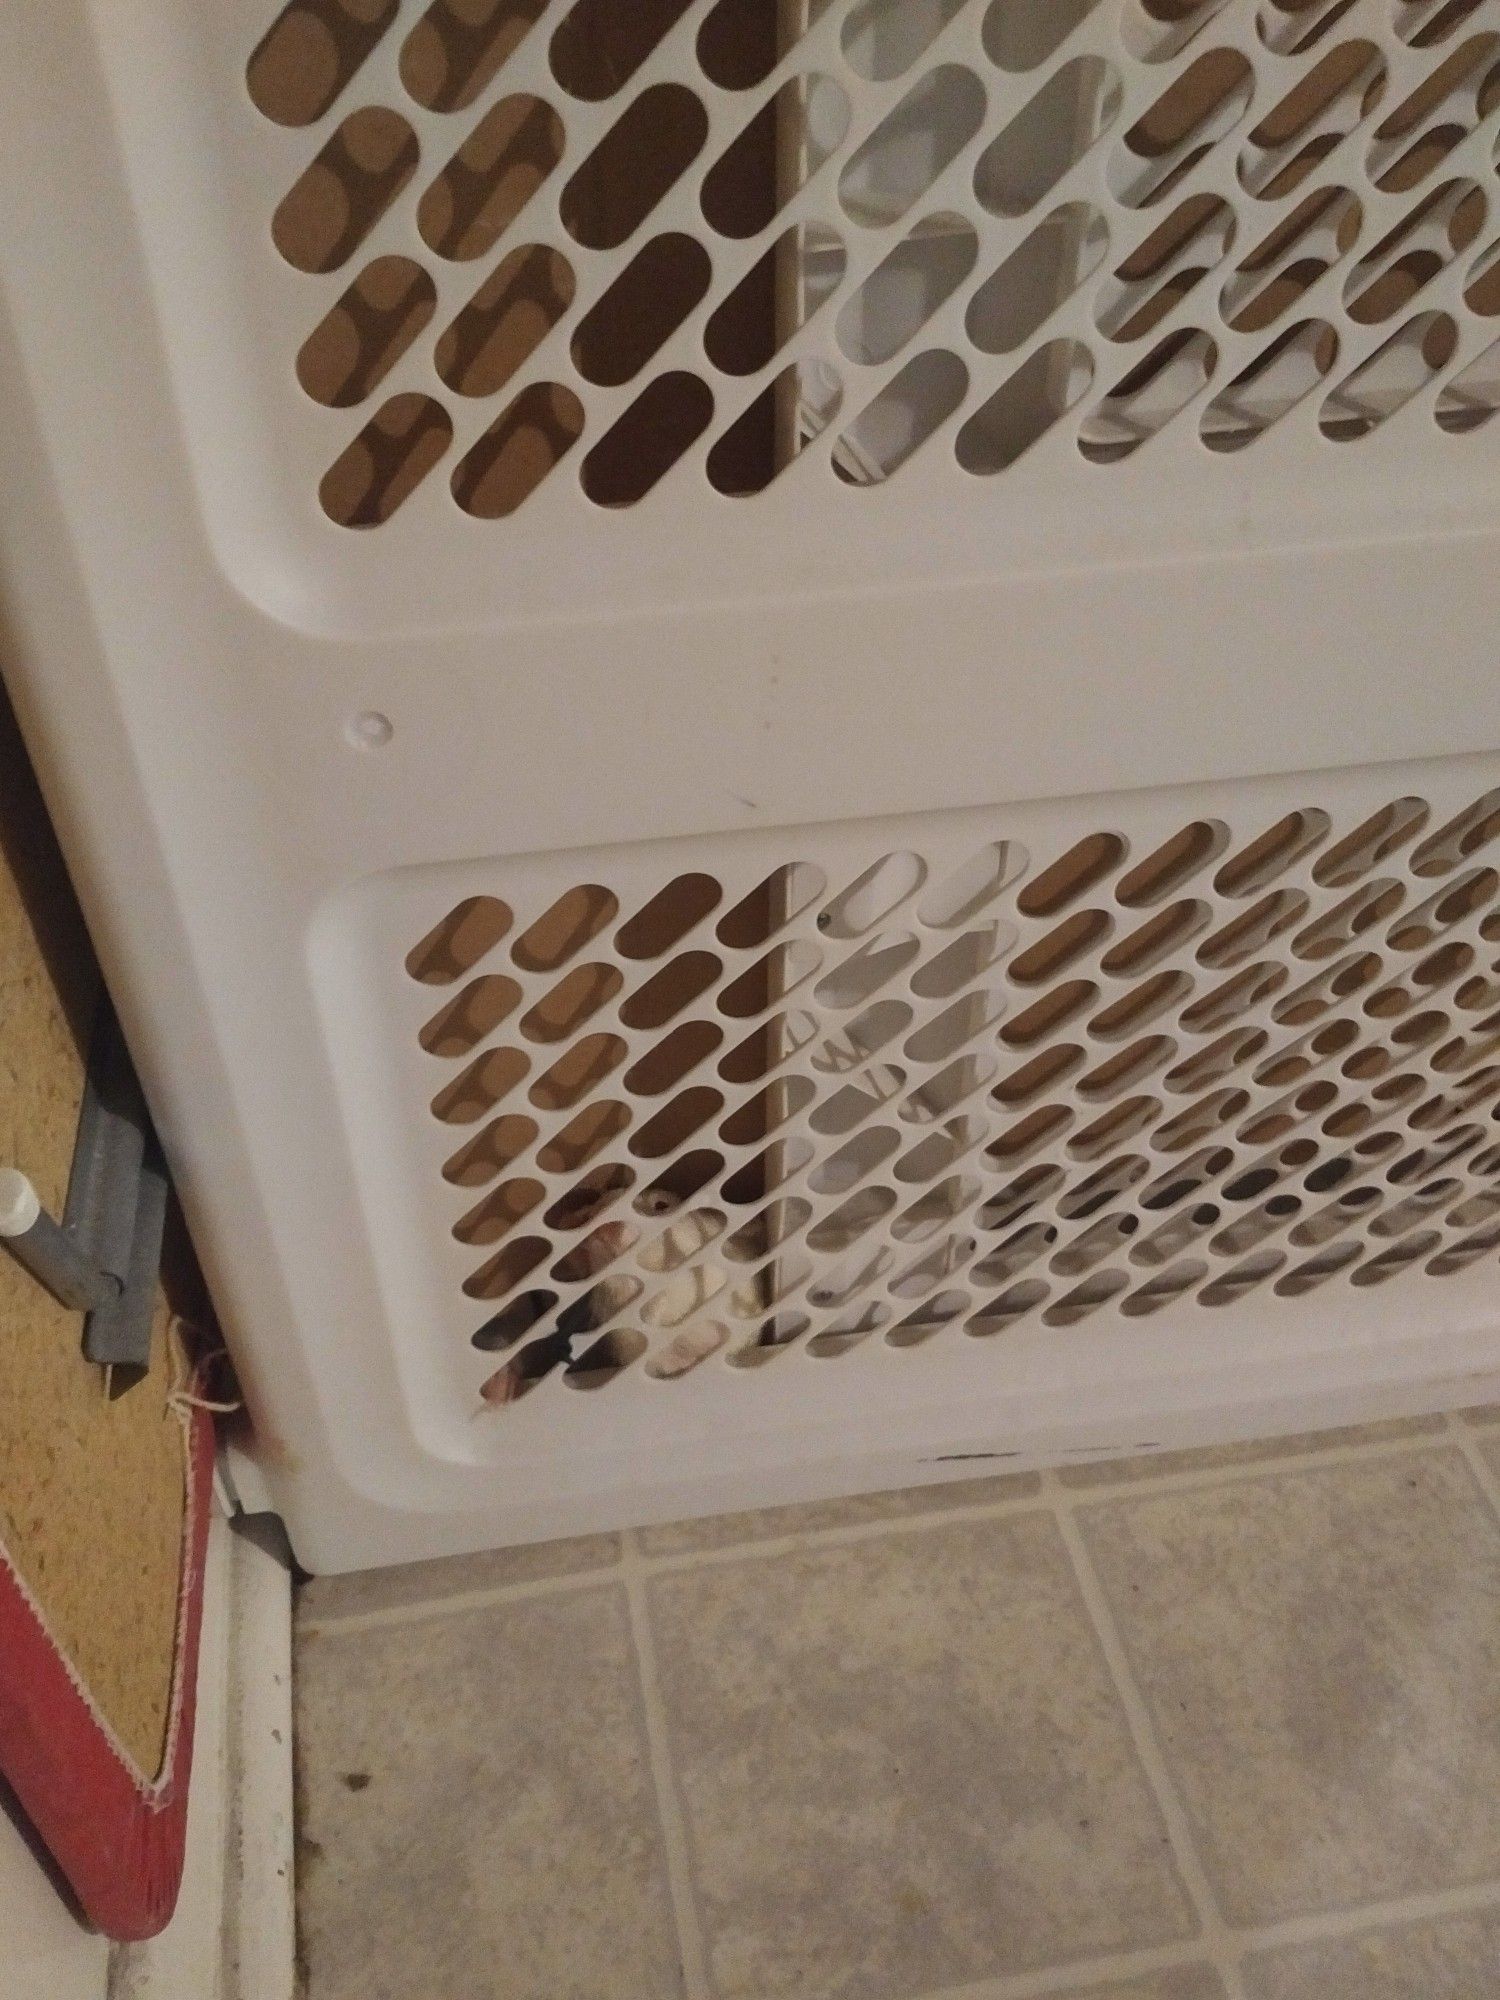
(781, 716)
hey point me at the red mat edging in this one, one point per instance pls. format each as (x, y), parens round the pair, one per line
(118, 1837)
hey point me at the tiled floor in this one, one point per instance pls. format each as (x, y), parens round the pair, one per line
(1220, 1726)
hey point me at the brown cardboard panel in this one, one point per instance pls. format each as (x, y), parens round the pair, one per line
(91, 1491)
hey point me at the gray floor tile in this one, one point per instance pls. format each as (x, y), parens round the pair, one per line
(476, 1811)
(429, 1582)
(1454, 1958)
(725, 1530)
(1320, 1650)
(1251, 1451)
(903, 1765)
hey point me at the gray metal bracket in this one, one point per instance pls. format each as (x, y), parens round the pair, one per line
(103, 1258)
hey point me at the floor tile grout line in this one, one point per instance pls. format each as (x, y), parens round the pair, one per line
(1066, 1977)
(1324, 1926)
(1246, 1475)
(509, 1593)
(1218, 1941)
(415, 1612)
(1467, 1441)
(1187, 1480)
(847, 1534)
(691, 1945)
(1043, 1981)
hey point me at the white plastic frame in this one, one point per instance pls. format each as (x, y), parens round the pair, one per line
(194, 650)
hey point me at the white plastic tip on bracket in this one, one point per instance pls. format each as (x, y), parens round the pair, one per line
(20, 1205)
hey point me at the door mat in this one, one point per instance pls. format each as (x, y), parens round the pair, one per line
(103, 1501)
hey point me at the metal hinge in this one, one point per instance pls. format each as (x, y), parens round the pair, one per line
(102, 1259)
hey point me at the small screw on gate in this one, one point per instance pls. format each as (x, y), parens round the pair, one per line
(369, 730)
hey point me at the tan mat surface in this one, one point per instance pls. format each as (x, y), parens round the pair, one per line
(91, 1491)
